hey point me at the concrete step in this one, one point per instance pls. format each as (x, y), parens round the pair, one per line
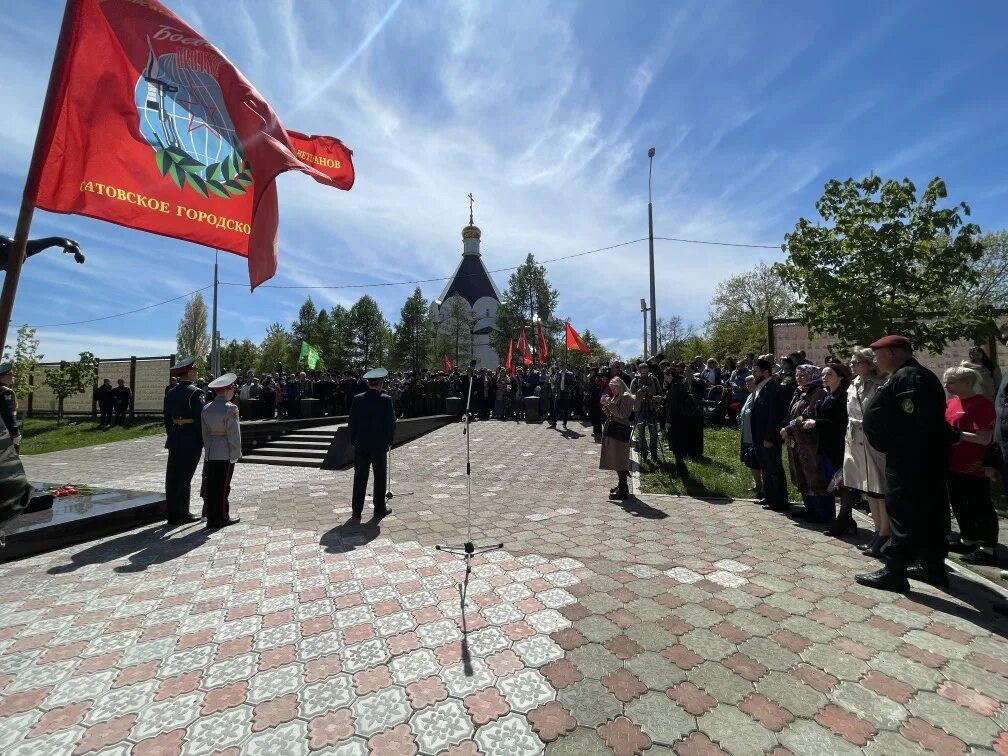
(328, 432)
(271, 451)
(306, 438)
(257, 459)
(321, 445)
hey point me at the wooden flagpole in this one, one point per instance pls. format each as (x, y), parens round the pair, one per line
(43, 134)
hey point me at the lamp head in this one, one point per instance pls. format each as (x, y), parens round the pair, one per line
(651, 152)
(643, 305)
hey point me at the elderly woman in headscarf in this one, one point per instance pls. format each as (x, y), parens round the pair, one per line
(807, 473)
(829, 419)
(617, 406)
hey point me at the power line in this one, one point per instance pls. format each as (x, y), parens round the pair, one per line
(501, 270)
(120, 314)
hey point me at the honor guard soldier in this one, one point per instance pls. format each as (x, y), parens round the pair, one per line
(372, 429)
(182, 408)
(8, 404)
(121, 396)
(222, 444)
(906, 421)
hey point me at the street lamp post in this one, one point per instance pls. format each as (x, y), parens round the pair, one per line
(650, 225)
(644, 311)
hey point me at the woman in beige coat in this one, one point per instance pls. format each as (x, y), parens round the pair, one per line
(864, 466)
(617, 405)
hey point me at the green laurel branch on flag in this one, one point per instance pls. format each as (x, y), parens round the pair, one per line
(231, 177)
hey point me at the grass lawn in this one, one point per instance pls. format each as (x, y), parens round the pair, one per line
(719, 473)
(40, 435)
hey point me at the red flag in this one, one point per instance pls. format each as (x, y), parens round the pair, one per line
(508, 365)
(150, 126)
(326, 154)
(574, 342)
(523, 347)
(447, 363)
(541, 337)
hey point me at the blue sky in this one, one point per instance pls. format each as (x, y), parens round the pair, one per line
(544, 111)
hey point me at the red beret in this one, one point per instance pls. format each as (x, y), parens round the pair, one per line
(892, 341)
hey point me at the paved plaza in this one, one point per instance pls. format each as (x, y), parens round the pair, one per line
(657, 625)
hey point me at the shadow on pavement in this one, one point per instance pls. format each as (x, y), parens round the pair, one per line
(349, 536)
(143, 548)
(638, 508)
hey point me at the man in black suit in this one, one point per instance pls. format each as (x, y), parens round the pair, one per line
(372, 430)
(769, 406)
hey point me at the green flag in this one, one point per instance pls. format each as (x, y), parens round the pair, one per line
(309, 354)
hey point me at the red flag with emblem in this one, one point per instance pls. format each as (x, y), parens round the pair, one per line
(447, 363)
(574, 342)
(148, 125)
(508, 365)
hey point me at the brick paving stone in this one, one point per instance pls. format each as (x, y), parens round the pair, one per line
(551, 720)
(660, 718)
(931, 738)
(624, 684)
(624, 737)
(803, 736)
(583, 741)
(766, 712)
(486, 706)
(847, 725)
(720, 682)
(691, 698)
(880, 711)
(590, 702)
(967, 725)
(801, 700)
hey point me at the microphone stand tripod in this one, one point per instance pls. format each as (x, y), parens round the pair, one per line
(389, 493)
(468, 550)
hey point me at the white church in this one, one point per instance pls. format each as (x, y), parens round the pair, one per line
(473, 285)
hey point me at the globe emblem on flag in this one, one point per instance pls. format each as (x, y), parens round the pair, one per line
(183, 118)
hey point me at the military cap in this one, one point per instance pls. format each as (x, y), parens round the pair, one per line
(183, 365)
(892, 341)
(376, 374)
(6, 368)
(225, 381)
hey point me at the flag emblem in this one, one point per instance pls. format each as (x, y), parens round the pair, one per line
(185, 121)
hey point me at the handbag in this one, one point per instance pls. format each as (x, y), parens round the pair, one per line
(617, 431)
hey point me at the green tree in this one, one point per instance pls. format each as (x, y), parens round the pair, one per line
(876, 264)
(367, 332)
(72, 378)
(414, 333)
(193, 338)
(672, 335)
(528, 292)
(304, 328)
(340, 343)
(455, 329)
(991, 286)
(737, 319)
(239, 356)
(25, 358)
(275, 348)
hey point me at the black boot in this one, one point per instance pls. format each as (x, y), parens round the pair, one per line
(885, 579)
(842, 526)
(932, 575)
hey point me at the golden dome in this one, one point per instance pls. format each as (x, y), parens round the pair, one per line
(471, 232)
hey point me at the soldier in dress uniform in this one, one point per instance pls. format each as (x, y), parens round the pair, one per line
(222, 444)
(8, 404)
(906, 421)
(372, 430)
(182, 408)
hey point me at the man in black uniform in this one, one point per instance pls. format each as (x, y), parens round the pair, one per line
(121, 401)
(103, 395)
(182, 408)
(372, 429)
(8, 404)
(906, 422)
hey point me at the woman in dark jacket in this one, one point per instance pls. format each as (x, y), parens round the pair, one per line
(802, 442)
(829, 420)
(681, 413)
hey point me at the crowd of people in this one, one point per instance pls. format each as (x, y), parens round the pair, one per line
(877, 431)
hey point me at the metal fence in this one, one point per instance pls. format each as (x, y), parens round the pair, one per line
(146, 376)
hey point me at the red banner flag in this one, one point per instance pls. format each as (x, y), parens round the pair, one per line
(574, 342)
(150, 126)
(523, 347)
(327, 155)
(447, 363)
(541, 337)
(508, 365)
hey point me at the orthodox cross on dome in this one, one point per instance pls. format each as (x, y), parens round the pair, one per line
(471, 200)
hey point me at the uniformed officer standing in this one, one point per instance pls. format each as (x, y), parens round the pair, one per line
(103, 395)
(182, 408)
(222, 443)
(906, 422)
(8, 404)
(372, 430)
